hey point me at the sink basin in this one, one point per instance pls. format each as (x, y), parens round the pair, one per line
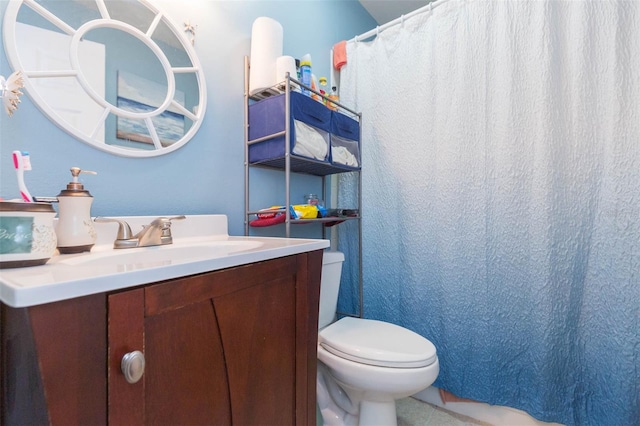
(147, 257)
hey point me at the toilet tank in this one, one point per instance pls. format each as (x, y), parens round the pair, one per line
(329, 286)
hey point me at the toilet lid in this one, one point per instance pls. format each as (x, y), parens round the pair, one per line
(377, 343)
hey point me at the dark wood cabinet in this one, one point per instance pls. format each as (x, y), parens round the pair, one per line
(229, 347)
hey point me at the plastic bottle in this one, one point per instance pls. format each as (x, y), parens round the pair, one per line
(324, 88)
(333, 97)
(314, 86)
(305, 74)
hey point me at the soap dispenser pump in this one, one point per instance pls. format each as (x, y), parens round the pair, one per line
(75, 230)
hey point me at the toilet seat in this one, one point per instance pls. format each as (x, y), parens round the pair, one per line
(377, 343)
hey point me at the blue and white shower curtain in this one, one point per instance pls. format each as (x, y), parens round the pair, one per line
(501, 199)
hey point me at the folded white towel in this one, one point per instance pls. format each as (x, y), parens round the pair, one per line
(310, 142)
(300, 149)
(342, 155)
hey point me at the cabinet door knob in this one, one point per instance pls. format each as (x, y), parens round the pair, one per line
(132, 366)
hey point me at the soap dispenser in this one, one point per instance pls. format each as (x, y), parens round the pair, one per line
(75, 230)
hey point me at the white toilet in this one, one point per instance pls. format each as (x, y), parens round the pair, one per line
(365, 365)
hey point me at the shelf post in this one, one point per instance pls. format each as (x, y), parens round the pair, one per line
(246, 145)
(287, 155)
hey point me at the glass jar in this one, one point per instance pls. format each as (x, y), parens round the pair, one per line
(312, 199)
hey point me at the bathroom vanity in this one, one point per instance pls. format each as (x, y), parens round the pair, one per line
(228, 336)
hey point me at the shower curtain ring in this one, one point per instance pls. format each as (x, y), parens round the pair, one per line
(377, 31)
(402, 20)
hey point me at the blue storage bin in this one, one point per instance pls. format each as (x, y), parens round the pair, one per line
(309, 124)
(345, 141)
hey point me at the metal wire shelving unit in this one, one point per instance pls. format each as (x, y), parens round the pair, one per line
(290, 163)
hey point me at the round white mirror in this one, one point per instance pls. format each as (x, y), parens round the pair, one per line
(117, 75)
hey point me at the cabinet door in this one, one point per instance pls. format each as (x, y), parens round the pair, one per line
(125, 334)
(226, 347)
(53, 363)
(258, 328)
(184, 380)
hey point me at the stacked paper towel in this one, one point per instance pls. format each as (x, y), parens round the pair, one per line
(266, 48)
(284, 65)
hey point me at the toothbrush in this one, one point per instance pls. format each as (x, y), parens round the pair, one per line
(21, 162)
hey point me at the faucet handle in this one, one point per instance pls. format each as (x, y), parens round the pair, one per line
(166, 220)
(165, 223)
(124, 239)
(124, 230)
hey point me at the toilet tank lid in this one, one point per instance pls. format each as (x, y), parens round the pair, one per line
(332, 256)
(377, 343)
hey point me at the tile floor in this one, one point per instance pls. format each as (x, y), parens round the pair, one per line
(412, 412)
(415, 412)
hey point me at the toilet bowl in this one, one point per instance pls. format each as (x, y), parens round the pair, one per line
(365, 365)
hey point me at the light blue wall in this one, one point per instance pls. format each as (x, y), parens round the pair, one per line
(206, 175)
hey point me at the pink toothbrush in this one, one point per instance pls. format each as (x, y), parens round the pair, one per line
(21, 162)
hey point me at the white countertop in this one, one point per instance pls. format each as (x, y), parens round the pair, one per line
(200, 244)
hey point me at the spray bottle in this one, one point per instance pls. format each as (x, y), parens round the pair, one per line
(305, 74)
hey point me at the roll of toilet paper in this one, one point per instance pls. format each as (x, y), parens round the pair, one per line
(266, 48)
(284, 65)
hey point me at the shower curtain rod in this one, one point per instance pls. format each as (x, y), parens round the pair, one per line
(377, 30)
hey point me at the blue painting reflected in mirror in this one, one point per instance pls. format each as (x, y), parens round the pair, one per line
(138, 94)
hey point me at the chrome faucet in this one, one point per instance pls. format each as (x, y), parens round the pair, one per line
(158, 232)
